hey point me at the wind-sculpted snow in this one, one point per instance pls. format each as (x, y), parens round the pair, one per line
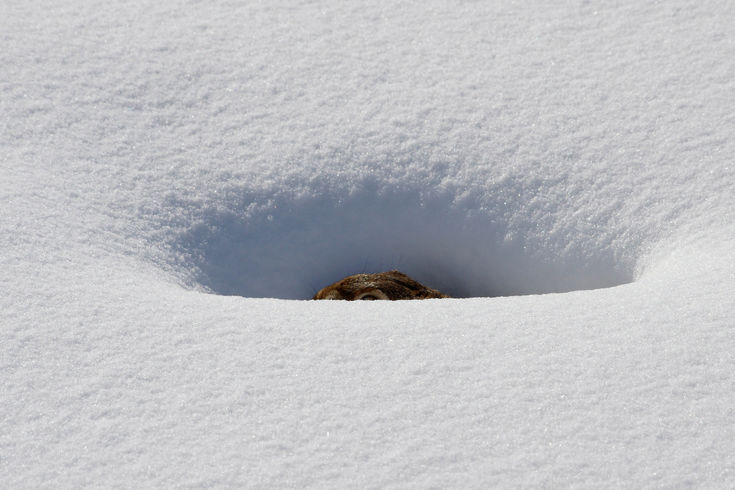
(171, 172)
(292, 247)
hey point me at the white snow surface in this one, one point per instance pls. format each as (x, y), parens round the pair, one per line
(176, 175)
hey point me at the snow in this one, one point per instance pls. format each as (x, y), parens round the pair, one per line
(177, 175)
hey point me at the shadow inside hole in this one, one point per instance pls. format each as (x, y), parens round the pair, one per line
(292, 249)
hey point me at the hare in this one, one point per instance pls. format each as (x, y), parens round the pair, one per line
(390, 285)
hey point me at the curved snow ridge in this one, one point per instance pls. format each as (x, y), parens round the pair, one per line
(289, 247)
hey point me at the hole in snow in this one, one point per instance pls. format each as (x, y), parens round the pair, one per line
(291, 248)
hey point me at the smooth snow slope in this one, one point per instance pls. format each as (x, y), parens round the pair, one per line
(168, 168)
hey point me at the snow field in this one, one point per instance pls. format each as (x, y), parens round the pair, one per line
(169, 168)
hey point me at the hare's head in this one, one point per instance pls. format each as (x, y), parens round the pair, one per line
(390, 285)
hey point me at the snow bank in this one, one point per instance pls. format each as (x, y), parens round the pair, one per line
(168, 169)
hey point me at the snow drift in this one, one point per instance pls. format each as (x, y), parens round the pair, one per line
(168, 169)
(296, 246)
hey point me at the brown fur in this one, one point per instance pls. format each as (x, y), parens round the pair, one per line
(392, 285)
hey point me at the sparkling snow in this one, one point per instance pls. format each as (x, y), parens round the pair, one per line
(173, 175)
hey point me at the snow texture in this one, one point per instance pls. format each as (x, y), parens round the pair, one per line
(173, 175)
